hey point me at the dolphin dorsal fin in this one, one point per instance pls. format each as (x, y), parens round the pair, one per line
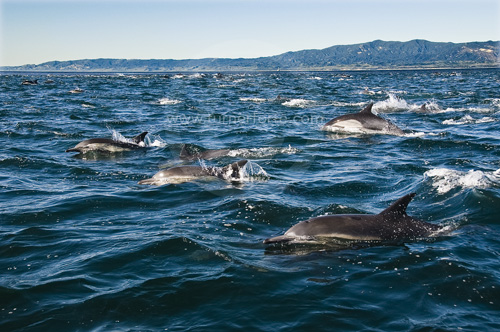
(367, 109)
(140, 138)
(399, 206)
(185, 153)
(235, 168)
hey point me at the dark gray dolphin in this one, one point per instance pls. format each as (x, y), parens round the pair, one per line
(181, 174)
(363, 122)
(109, 145)
(29, 82)
(391, 224)
(189, 154)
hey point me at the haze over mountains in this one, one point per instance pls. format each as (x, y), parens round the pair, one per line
(373, 55)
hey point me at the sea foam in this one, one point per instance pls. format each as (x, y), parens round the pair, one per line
(444, 179)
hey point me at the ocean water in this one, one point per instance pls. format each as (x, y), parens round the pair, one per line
(84, 247)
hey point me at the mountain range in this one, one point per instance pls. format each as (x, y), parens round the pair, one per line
(378, 54)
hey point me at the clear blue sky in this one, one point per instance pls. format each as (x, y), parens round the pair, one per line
(35, 31)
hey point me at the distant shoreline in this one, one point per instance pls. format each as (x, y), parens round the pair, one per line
(2, 71)
(376, 55)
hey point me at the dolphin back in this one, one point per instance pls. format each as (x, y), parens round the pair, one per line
(354, 116)
(391, 224)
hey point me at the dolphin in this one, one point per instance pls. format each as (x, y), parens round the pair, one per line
(181, 174)
(189, 154)
(29, 82)
(364, 121)
(109, 145)
(391, 224)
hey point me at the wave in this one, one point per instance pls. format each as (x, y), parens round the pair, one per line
(445, 180)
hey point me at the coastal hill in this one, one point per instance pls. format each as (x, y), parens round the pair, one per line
(378, 54)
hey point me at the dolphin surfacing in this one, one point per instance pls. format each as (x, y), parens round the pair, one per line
(192, 154)
(181, 174)
(391, 224)
(362, 122)
(109, 145)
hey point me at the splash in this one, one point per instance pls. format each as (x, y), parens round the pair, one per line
(116, 136)
(149, 140)
(444, 179)
(253, 171)
(155, 141)
(248, 173)
(390, 104)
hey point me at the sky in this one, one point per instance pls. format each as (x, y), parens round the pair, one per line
(37, 31)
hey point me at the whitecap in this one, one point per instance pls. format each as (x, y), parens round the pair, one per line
(469, 109)
(253, 99)
(444, 179)
(367, 91)
(168, 101)
(467, 120)
(345, 104)
(301, 103)
(257, 153)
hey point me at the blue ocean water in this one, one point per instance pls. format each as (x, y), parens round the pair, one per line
(84, 247)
